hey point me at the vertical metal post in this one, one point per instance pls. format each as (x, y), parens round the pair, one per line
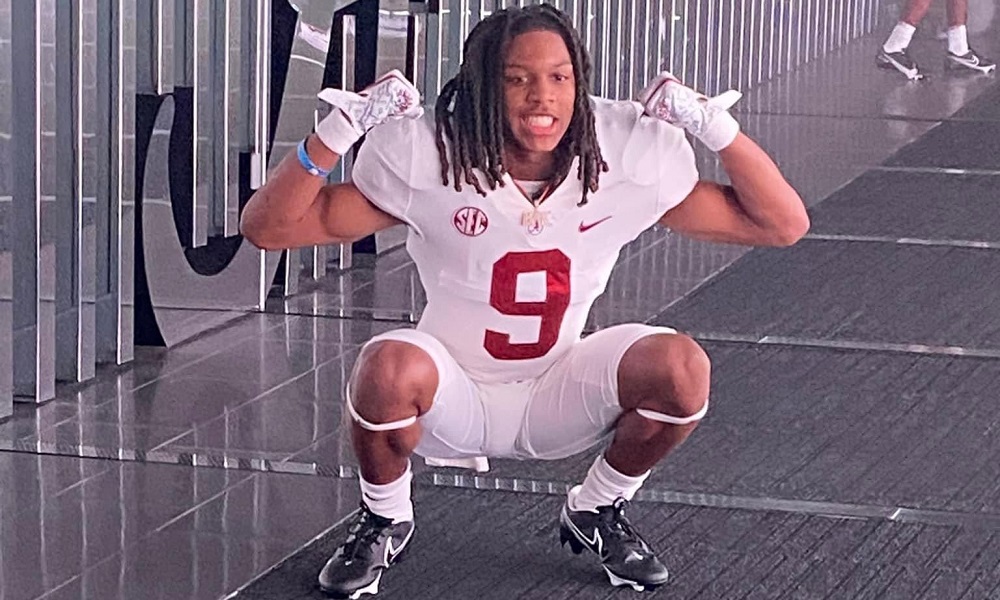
(457, 31)
(76, 129)
(433, 53)
(116, 192)
(33, 38)
(155, 29)
(227, 127)
(7, 238)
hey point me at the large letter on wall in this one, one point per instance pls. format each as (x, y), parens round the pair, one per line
(33, 46)
(200, 149)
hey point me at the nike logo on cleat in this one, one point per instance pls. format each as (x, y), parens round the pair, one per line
(391, 552)
(596, 543)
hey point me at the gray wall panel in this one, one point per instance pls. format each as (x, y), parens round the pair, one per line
(76, 127)
(231, 123)
(115, 208)
(33, 160)
(6, 216)
(155, 31)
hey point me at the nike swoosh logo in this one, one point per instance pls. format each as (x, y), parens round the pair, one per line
(596, 544)
(391, 552)
(586, 227)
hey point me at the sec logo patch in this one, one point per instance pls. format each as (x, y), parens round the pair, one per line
(470, 221)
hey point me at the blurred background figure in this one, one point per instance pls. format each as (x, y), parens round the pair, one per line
(893, 53)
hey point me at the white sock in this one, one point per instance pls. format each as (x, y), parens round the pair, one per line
(900, 37)
(602, 486)
(958, 40)
(390, 500)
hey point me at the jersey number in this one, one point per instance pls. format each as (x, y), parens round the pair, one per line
(503, 297)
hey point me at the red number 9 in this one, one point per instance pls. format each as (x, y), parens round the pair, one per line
(503, 297)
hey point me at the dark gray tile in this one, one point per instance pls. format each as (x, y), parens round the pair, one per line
(349, 332)
(712, 553)
(883, 293)
(655, 270)
(152, 363)
(986, 107)
(226, 542)
(291, 509)
(387, 289)
(332, 451)
(213, 328)
(27, 419)
(32, 479)
(176, 564)
(277, 424)
(823, 425)
(283, 421)
(954, 145)
(135, 500)
(863, 428)
(177, 401)
(57, 536)
(106, 437)
(930, 206)
(818, 155)
(265, 363)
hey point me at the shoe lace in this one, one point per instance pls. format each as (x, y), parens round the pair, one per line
(367, 530)
(620, 527)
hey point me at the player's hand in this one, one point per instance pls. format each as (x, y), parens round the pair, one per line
(707, 119)
(353, 114)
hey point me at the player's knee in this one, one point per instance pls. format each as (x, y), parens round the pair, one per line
(675, 372)
(393, 381)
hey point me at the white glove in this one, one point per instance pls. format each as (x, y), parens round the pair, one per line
(707, 119)
(353, 114)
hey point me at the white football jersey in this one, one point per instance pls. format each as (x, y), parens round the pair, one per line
(509, 292)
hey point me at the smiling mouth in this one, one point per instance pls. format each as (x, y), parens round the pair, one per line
(540, 124)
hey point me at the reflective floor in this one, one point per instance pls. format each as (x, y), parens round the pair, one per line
(855, 374)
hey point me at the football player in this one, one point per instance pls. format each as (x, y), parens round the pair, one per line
(518, 192)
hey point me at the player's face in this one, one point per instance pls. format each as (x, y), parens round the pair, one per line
(540, 90)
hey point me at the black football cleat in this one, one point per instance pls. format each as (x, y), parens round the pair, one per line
(373, 544)
(972, 60)
(899, 61)
(625, 556)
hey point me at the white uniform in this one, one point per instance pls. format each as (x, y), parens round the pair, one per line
(508, 297)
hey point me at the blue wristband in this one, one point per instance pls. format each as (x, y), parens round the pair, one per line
(308, 164)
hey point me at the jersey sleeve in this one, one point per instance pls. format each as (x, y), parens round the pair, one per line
(383, 166)
(678, 171)
(650, 152)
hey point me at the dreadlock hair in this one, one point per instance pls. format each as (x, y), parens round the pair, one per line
(471, 113)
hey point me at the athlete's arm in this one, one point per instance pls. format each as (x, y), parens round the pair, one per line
(294, 208)
(759, 209)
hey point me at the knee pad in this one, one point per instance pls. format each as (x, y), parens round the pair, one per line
(401, 424)
(393, 425)
(662, 418)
